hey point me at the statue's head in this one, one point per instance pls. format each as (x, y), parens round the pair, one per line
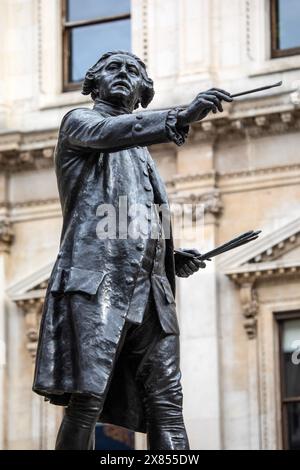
(121, 78)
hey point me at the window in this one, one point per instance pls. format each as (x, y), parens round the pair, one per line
(90, 28)
(285, 31)
(289, 327)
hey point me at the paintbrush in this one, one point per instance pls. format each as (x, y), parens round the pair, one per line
(234, 243)
(255, 90)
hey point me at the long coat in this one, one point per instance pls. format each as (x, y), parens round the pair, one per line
(100, 155)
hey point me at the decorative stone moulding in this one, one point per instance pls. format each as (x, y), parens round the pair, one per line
(34, 150)
(6, 235)
(32, 309)
(210, 201)
(258, 263)
(22, 151)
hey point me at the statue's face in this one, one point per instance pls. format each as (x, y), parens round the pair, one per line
(120, 80)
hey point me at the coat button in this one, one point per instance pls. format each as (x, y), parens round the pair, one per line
(139, 116)
(142, 159)
(149, 204)
(138, 127)
(129, 280)
(146, 173)
(147, 187)
(59, 254)
(140, 246)
(134, 262)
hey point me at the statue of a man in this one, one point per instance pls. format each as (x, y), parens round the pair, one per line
(109, 338)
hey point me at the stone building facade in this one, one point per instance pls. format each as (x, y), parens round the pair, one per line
(241, 166)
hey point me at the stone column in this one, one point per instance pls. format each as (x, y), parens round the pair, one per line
(249, 304)
(6, 239)
(250, 308)
(198, 315)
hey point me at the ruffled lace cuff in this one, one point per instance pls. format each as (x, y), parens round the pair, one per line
(175, 133)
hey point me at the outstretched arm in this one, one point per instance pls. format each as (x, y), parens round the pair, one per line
(86, 128)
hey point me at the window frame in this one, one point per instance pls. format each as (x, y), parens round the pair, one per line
(67, 27)
(275, 52)
(284, 401)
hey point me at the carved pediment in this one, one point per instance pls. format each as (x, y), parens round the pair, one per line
(32, 286)
(276, 253)
(29, 295)
(287, 249)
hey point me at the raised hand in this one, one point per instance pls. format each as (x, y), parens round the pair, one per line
(202, 105)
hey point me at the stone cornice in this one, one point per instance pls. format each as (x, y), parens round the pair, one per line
(34, 149)
(238, 174)
(31, 203)
(236, 181)
(190, 178)
(254, 272)
(240, 125)
(32, 210)
(181, 188)
(259, 171)
(209, 201)
(27, 150)
(221, 179)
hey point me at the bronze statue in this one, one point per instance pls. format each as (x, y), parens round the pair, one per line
(109, 338)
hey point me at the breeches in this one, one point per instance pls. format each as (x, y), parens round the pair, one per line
(154, 358)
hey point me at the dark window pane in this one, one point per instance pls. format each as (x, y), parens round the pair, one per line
(89, 9)
(293, 426)
(290, 348)
(288, 24)
(88, 43)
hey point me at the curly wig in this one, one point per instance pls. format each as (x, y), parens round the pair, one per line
(88, 86)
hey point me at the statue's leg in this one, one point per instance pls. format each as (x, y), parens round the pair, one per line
(163, 396)
(155, 356)
(78, 425)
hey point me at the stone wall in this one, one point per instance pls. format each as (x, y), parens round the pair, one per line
(242, 165)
